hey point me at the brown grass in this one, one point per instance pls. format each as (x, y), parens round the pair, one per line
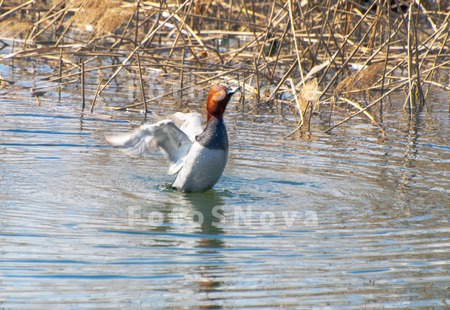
(14, 28)
(274, 49)
(99, 17)
(361, 81)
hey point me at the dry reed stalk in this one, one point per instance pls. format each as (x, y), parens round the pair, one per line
(65, 31)
(435, 37)
(402, 84)
(147, 37)
(60, 65)
(13, 28)
(17, 8)
(215, 77)
(258, 93)
(344, 44)
(136, 29)
(417, 64)
(83, 101)
(361, 109)
(268, 35)
(361, 81)
(294, 38)
(45, 18)
(95, 97)
(183, 56)
(284, 39)
(283, 79)
(141, 80)
(277, 58)
(411, 98)
(303, 104)
(433, 69)
(68, 73)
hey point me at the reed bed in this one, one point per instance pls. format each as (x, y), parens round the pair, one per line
(303, 56)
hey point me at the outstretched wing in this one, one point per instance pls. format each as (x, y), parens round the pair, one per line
(164, 135)
(189, 123)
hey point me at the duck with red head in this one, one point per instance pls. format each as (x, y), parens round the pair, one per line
(218, 98)
(198, 156)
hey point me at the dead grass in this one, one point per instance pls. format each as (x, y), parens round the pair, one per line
(98, 17)
(361, 81)
(14, 28)
(276, 50)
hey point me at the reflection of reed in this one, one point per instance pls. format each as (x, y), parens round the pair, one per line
(276, 46)
(209, 204)
(409, 158)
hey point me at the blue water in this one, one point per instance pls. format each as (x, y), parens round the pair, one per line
(341, 220)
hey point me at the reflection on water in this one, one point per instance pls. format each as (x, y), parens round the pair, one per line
(334, 220)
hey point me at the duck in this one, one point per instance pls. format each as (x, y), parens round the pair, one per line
(197, 154)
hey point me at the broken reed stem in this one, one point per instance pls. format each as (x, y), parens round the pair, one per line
(258, 94)
(243, 91)
(366, 113)
(95, 96)
(83, 102)
(294, 93)
(277, 58)
(172, 50)
(299, 108)
(182, 77)
(267, 38)
(60, 65)
(299, 125)
(141, 80)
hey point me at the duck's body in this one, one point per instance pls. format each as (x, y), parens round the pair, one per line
(206, 159)
(198, 155)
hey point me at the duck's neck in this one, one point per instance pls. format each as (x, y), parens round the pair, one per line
(212, 117)
(215, 134)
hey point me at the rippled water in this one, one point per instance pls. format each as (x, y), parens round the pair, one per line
(341, 220)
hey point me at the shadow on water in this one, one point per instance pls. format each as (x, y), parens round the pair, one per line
(407, 174)
(194, 218)
(202, 212)
(208, 208)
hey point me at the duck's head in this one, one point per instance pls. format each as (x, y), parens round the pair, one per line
(218, 98)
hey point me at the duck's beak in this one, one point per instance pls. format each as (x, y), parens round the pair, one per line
(231, 91)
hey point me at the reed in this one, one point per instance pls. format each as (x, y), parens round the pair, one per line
(354, 51)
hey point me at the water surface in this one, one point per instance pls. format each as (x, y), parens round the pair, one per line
(332, 220)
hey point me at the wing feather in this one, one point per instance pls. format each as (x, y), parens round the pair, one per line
(164, 136)
(189, 123)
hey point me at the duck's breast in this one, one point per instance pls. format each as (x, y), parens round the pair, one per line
(203, 168)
